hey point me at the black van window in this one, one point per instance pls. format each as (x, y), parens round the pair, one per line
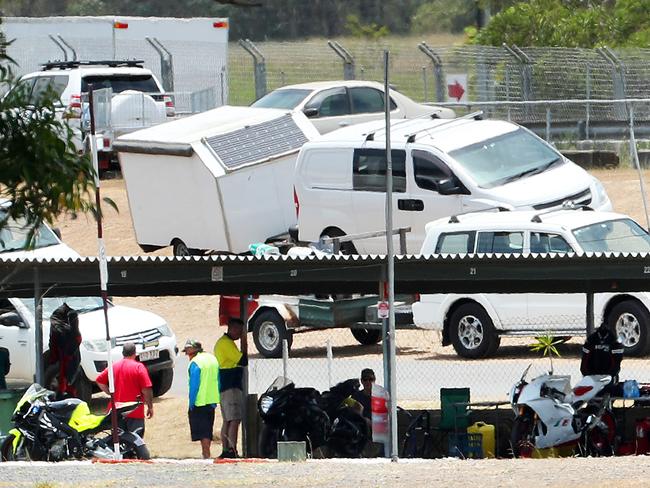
(369, 171)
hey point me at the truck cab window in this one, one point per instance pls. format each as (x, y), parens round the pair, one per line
(456, 243)
(542, 242)
(428, 170)
(501, 242)
(369, 170)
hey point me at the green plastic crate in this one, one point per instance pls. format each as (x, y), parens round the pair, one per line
(328, 313)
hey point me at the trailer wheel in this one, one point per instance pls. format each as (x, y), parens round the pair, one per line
(269, 330)
(346, 247)
(181, 249)
(367, 337)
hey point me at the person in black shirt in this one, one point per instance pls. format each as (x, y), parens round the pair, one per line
(363, 396)
(602, 353)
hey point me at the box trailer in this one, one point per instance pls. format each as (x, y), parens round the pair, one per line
(216, 181)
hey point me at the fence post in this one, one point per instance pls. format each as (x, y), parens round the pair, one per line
(348, 60)
(618, 78)
(588, 87)
(166, 63)
(259, 67)
(69, 46)
(60, 46)
(635, 156)
(526, 67)
(438, 74)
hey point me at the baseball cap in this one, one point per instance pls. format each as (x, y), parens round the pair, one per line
(192, 343)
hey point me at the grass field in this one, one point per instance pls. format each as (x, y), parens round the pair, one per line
(313, 60)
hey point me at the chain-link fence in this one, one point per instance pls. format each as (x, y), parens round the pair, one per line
(424, 365)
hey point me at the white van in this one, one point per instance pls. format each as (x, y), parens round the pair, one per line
(440, 168)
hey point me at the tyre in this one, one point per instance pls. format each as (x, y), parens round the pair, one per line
(130, 450)
(521, 437)
(181, 249)
(346, 247)
(630, 321)
(599, 440)
(267, 444)
(472, 332)
(269, 330)
(367, 337)
(7, 449)
(162, 382)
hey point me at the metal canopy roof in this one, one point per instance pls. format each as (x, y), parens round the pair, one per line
(159, 276)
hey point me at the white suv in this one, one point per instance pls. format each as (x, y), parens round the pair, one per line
(138, 98)
(475, 323)
(155, 341)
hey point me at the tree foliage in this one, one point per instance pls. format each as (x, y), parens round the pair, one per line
(570, 23)
(41, 173)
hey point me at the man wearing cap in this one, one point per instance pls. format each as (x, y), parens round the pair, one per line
(132, 383)
(204, 394)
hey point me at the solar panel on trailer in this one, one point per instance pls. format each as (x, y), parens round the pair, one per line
(257, 142)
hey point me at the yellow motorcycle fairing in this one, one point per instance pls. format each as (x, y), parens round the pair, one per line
(82, 420)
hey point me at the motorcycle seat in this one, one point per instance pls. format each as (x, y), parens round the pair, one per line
(64, 406)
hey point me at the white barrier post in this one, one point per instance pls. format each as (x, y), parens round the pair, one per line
(330, 358)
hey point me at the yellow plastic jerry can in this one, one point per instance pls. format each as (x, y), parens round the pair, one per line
(487, 435)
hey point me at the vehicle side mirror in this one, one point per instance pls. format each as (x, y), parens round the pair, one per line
(12, 319)
(448, 186)
(57, 232)
(311, 112)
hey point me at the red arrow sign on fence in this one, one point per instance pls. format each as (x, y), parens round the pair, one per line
(456, 91)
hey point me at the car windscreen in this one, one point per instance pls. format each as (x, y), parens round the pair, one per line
(80, 304)
(623, 235)
(14, 235)
(285, 99)
(506, 158)
(120, 83)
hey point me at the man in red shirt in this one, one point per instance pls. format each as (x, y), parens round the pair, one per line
(132, 383)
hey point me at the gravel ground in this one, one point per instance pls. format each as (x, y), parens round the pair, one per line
(569, 472)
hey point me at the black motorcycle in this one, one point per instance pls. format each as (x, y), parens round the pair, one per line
(303, 414)
(47, 430)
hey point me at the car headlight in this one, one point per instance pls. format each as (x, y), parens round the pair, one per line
(599, 192)
(95, 345)
(266, 403)
(165, 330)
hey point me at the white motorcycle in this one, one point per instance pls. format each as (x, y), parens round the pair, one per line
(549, 413)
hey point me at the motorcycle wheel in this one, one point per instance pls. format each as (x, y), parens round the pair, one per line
(600, 440)
(6, 449)
(267, 443)
(521, 438)
(130, 450)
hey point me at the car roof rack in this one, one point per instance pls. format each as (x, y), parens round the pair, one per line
(566, 205)
(478, 115)
(112, 63)
(454, 218)
(433, 116)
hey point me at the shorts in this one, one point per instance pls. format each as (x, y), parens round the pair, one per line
(201, 422)
(232, 401)
(135, 425)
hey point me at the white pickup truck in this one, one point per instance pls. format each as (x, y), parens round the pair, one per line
(155, 341)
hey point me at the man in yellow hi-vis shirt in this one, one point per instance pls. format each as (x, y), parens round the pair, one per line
(231, 373)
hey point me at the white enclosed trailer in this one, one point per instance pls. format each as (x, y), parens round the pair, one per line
(216, 181)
